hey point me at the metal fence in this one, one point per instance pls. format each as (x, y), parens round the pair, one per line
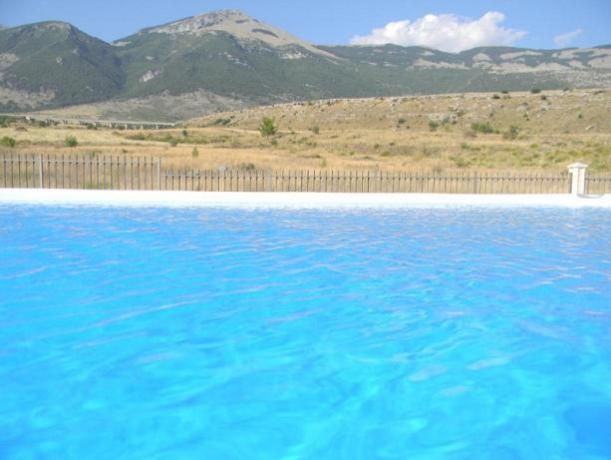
(148, 173)
(598, 183)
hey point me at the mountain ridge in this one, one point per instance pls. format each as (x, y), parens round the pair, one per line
(227, 59)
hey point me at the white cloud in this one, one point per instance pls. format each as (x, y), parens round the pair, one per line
(446, 32)
(566, 39)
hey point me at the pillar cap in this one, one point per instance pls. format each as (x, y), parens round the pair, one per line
(577, 166)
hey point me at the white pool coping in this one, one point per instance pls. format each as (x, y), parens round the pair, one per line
(281, 200)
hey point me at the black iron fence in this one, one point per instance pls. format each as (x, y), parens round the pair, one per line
(148, 173)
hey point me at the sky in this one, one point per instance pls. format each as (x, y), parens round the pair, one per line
(451, 25)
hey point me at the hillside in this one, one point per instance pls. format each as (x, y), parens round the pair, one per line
(477, 131)
(226, 60)
(55, 64)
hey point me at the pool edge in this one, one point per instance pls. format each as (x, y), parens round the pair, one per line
(289, 200)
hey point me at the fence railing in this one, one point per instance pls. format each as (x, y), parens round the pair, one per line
(149, 173)
(598, 183)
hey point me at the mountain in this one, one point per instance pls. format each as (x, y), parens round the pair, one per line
(228, 60)
(54, 64)
(232, 55)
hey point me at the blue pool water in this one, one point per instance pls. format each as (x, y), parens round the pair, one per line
(224, 334)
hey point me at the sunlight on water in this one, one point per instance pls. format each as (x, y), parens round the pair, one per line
(224, 334)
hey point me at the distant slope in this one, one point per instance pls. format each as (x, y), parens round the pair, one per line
(55, 64)
(226, 60)
(425, 70)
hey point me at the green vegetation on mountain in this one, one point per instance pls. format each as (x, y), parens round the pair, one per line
(226, 60)
(55, 64)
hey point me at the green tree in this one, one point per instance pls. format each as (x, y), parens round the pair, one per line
(71, 141)
(267, 127)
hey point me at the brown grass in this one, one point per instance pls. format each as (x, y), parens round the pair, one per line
(427, 132)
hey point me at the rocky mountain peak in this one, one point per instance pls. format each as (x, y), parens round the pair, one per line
(238, 24)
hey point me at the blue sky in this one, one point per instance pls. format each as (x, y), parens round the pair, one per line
(528, 23)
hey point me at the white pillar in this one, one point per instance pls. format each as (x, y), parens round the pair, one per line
(578, 178)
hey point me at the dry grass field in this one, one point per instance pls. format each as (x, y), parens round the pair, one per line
(515, 131)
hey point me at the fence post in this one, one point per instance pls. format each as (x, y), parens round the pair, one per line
(578, 178)
(40, 181)
(158, 173)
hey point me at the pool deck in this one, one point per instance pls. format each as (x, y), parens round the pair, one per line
(280, 200)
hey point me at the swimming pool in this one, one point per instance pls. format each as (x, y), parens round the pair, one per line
(231, 334)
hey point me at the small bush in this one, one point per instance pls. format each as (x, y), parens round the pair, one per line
(433, 125)
(173, 142)
(484, 128)
(267, 127)
(315, 129)
(222, 121)
(194, 152)
(496, 96)
(512, 133)
(459, 162)
(401, 121)
(71, 141)
(185, 133)
(247, 166)
(8, 141)
(535, 90)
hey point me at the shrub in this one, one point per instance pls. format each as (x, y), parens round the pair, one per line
(496, 96)
(247, 166)
(401, 121)
(185, 133)
(484, 128)
(459, 162)
(8, 141)
(433, 125)
(267, 127)
(71, 141)
(222, 121)
(315, 129)
(511, 133)
(194, 152)
(535, 90)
